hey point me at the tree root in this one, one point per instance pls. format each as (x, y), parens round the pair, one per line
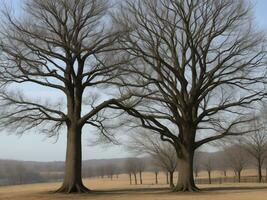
(76, 188)
(184, 188)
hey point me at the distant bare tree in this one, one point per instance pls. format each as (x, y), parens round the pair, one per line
(110, 170)
(208, 166)
(163, 154)
(101, 171)
(197, 163)
(237, 157)
(140, 168)
(63, 46)
(156, 171)
(128, 169)
(224, 164)
(131, 166)
(256, 143)
(192, 71)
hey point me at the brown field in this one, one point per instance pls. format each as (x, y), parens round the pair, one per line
(119, 189)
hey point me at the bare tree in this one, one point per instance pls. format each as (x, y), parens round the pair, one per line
(192, 73)
(156, 171)
(128, 169)
(110, 170)
(224, 164)
(256, 143)
(208, 166)
(237, 157)
(132, 169)
(163, 154)
(140, 168)
(197, 163)
(63, 47)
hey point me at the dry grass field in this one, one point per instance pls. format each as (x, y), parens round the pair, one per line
(119, 189)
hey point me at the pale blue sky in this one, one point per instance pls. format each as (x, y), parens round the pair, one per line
(36, 147)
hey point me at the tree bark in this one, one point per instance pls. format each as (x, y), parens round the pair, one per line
(73, 166)
(185, 168)
(140, 176)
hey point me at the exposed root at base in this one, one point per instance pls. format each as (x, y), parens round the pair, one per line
(77, 188)
(186, 189)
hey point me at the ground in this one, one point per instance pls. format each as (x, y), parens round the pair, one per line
(119, 189)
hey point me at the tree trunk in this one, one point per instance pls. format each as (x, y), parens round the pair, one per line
(130, 176)
(239, 176)
(167, 178)
(140, 176)
(171, 180)
(73, 166)
(185, 169)
(156, 177)
(209, 177)
(259, 171)
(135, 179)
(225, 173)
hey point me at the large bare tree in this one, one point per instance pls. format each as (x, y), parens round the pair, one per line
(197, 67)
(62, 47)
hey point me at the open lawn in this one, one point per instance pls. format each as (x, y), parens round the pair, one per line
(119, 189)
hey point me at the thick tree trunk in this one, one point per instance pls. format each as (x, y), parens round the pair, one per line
(73, 165)
(171, 180)
(140, 176)
(185, 169)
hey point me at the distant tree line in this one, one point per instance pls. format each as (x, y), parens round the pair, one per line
(17, 173)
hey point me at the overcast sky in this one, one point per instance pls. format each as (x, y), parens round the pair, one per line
(36, 147)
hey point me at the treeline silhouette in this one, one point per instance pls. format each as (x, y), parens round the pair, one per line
(14, 172)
